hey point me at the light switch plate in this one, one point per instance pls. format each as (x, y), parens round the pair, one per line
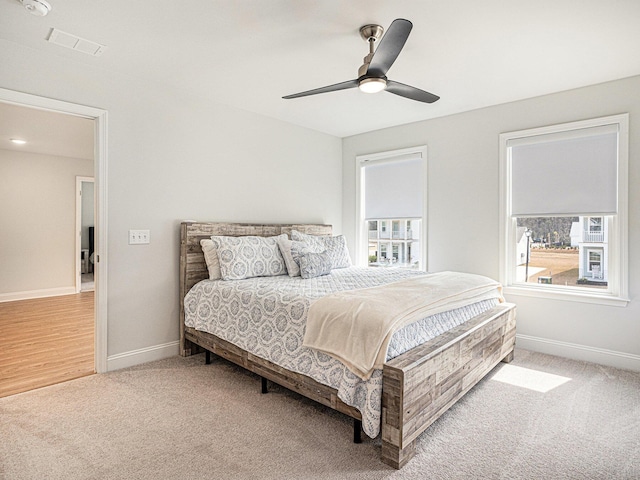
(139, 237)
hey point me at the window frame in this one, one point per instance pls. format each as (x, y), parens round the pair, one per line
(617, 292)
(361, 241)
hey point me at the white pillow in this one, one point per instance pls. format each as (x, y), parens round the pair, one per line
(250, 256)
(336, 247)
(211, 258)
(291, 252)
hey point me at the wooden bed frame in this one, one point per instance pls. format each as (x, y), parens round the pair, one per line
(418, 386)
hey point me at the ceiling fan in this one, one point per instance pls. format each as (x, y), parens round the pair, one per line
(372, 75)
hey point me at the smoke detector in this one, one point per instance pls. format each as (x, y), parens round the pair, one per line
(39, 8)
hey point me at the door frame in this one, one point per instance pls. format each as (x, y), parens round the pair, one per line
(99, 116)
(78, 234)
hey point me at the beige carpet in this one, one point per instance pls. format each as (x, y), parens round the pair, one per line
(540, 417)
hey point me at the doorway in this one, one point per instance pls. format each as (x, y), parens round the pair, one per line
(98, 118)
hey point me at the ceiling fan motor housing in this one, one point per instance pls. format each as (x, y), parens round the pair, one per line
(362, 71)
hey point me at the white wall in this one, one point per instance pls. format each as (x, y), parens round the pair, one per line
(37, 218)
(171, 157)
(463, 196)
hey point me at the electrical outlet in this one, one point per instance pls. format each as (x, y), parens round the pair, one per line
(139, 237)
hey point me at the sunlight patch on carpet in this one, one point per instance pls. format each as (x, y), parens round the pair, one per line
(527, 378)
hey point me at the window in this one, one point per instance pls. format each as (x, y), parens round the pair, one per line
(384, 231)
(395, 228)
(564, 210)
(595, 263)
(391, 208)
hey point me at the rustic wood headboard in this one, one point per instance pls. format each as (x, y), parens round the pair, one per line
(192, 265)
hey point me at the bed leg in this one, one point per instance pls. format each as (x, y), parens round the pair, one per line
(357, 431)
(508, 358)
(265, 388)
(207, 357)
(395, 456)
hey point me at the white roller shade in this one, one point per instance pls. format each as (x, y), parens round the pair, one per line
(394, 188)
(571, 173)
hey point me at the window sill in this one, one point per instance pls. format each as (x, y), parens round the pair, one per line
(571, 296)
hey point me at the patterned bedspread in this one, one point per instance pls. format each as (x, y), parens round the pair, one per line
(266, 316)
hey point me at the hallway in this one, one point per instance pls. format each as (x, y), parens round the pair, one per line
(45, 341)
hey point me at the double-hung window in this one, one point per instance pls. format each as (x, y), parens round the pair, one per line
(564, 210)
(391, 208)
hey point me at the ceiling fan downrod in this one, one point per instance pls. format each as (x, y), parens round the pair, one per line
(370, 34)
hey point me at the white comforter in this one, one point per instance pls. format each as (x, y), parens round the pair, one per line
(267, 317)
(356, 326)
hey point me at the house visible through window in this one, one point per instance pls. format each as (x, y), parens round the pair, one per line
(564, 208)
(558, 251)
(400, 248)
(391, 208)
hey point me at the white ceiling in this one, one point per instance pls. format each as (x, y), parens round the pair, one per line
(249, 53)
(46, 133)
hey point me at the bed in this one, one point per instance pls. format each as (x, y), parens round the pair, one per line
(417, 386)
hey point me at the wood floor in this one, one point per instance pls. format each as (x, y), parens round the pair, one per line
(45, 341)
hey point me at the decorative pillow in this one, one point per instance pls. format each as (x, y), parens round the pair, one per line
(211, 258)
(336, 247)
(305, 237)
(250, 256)
(315, 264)
(291, 252)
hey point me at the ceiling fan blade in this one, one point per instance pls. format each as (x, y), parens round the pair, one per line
(329, 88)
(413, 93)
(390, 47)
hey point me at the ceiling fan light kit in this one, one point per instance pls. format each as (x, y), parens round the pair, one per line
(39, 8)
(372, 75)
(372, 85)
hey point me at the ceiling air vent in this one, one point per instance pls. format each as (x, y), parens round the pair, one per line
(74, 42)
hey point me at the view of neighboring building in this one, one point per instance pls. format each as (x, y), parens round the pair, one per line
(590, 235)
(570, 251)
(394, 242)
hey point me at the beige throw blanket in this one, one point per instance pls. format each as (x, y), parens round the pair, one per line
(356, 326)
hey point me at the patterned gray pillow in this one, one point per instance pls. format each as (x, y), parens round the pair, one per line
(291, 252)
(315, 264)
(250, 256)
(336, 247)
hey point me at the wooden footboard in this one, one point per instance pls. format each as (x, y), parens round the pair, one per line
(423, 383)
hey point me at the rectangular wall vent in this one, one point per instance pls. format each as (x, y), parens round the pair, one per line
(74, 42)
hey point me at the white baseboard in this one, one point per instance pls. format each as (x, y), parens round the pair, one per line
(602, 356)
(144, 355)
(574, 351)
(47, 292)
